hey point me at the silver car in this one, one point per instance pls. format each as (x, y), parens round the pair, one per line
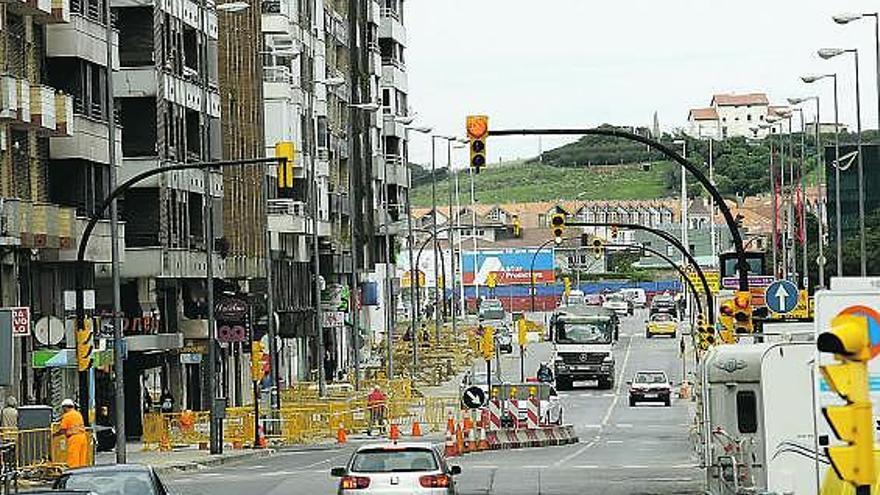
(397, 468)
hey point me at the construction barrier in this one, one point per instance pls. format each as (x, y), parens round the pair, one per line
(541, 437)
(41, 452)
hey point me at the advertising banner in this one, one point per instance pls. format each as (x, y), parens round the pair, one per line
(508, 266)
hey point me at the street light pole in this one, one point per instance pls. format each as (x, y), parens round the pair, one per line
(414, 272)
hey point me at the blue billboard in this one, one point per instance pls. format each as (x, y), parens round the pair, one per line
(508, 266)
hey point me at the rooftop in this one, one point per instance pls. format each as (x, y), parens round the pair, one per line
(730, 99)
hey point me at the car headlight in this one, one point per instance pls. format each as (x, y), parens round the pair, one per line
(608, 359)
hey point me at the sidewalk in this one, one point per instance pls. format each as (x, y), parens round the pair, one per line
(180, 460)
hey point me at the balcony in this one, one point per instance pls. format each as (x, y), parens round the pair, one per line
(148, 262)
(287, 216)
(135, 82)
(43, 106)
(64, 119)
(90, 142)
(392, 26)
(82, 38)
(394, 74)
(100, 246)
(42, 11)
(36, 225)
(15, 99)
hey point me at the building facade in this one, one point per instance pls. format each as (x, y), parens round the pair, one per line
(730, 115)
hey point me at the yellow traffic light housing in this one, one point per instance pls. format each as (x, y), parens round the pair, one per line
(522, 332)
(742, 303)
(566, 281)
(598, 247)
(614, 232)
(517, 226)
(84, 346)
(852, 423)
(285, 151)
(487, 343)
(557, 223)
(256, 360)
(477, 131)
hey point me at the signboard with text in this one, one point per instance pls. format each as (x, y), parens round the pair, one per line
(508, 266)
(21, 321)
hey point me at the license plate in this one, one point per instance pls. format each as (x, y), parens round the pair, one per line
(651, 396)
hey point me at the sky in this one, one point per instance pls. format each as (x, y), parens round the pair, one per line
(581, 63)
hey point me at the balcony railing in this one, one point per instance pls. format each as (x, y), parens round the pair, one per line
(287, 207)
(390, 12)
(393, 62)
(277, 74)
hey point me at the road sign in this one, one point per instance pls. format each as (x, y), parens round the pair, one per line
(781, 296)
(713, 278)
(333, 319)
(70, 300)
(21, 321)
(473, 398)
(754, 281)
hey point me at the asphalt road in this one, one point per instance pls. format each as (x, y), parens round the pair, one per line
(622, 450)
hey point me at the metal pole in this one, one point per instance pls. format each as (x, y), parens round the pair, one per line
(118, 345)
(316, 269)
(803, 207)
(413, 269)
(837, 213)
(434, 228)
(863, 257)
(792, 256)
(474, 236)
(684, 205)
(389, 289)
(216, 426)
(781, 207)
(460, 267)
(712, 233)
(775, 209)
(451, 241)
(275, 391)
(823, 191)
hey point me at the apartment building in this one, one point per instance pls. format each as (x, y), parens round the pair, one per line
(730, 115)
(54, 172)
(324, 72)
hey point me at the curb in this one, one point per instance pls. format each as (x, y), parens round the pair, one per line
(213, 461)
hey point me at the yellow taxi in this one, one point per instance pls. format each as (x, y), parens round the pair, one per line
(661, 324)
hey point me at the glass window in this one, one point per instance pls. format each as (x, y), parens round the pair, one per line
(100, 483)
(747, 411)
(651, 378)
(393, 460)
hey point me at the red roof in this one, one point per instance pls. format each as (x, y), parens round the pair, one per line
(727, 100)
(703, 114)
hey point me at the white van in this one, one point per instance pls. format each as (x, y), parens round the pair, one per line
(637, 296)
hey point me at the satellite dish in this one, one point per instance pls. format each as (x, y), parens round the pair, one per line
(49, 330)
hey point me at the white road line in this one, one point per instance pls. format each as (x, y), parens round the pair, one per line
(609, 442)
(591, 426)
(674, 480)
(635, 466)
(620, 382)
(535, 467)
(685, 466)
(484, 466)
(588, 466)
(574, 454)
(624, 425)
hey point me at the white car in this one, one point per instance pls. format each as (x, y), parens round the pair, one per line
(617, 303)
(395, 468)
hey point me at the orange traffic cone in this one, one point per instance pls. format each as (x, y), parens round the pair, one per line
(450, 445)
(459, 441)
(261, 438)
(450, 424)
(341, 437)
(394, 434)
(416, 429)
(467, 427)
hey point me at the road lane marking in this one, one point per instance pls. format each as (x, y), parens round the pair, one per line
(609, 442)
(620, 382)
(591, 426)
(484, 466)
(574, 454)
(624, 425)
(544, 466)
(635, 466)
(587, 466)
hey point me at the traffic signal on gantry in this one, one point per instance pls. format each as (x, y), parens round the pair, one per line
(477, 132)
(849, 341)
(598, 247)
(285, 151)
(557, 224)
(742, 313)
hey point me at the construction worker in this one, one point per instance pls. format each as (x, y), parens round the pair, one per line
(376, 403)
(74, 430)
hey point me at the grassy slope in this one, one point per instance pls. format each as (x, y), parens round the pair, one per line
(520, 183)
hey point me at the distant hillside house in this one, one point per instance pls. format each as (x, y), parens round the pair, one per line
(730, 115)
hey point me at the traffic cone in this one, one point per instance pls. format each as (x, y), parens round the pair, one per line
(416, 429)
(459, 441)
(341, 437)
(450, 424)
(394, 434)
(467, 428)
(449, 447)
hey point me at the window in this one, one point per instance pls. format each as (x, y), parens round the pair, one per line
(747, 411)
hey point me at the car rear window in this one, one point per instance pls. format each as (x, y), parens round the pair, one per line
(109, 483)
(394, 460)
(650, 378)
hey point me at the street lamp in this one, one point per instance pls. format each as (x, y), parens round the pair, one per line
(437, 326)
(827, 53)
(810, 79)
(850, 17)
(820, 156)
(414, 280)
(770, 124)
(460, 143)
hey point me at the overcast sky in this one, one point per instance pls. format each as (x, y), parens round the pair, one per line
(557, 63)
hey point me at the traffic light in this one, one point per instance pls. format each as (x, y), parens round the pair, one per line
(725, 317)
(477, 131)
(705, 333)
(567, 286)
(84, 346)
(287, 151)
(517, 226)
(487, 343)
(522, 332)
(742, 315)
(852, 423)
(557, 223)
(614, 232)
(598, 247)
(257, 360)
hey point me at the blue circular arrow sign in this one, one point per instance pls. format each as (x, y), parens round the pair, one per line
(781, 296)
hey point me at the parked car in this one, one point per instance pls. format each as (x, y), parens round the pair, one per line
(129, 479)
(417, 468)
(491, 309)
(650, 386)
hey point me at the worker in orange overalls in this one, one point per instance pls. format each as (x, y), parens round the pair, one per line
(73, 428)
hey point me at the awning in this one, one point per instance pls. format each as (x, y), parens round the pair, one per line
(157, 342)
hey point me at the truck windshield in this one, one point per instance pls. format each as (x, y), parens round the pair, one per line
(595, 332)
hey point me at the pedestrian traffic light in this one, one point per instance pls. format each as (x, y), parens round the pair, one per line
(477, 131)
(742, 315)
(598, 247)
(557, 223)
(852, 423)
(285, 152)
(257, 360)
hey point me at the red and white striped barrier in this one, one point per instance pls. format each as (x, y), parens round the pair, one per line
(533, 413)
(541, 437)
(494, 410)
(512, 411)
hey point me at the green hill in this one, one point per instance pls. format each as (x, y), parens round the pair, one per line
(530, 182)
